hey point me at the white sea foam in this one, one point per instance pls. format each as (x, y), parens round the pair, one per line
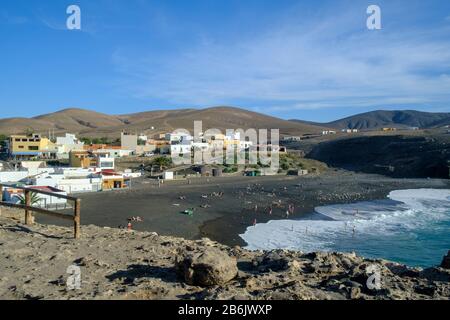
(403, 212)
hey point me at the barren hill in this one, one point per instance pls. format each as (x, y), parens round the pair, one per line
(90, 123)
(79, 119)
(382, 118)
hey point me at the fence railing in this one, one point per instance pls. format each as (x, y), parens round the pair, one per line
(29, 209)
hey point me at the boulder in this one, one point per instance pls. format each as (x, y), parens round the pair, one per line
(208, 267)
(271, 261)
(446, 261)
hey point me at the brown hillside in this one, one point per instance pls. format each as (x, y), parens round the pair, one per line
(78, 120)
(90, 123)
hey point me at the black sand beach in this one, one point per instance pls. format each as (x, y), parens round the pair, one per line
(224, 207)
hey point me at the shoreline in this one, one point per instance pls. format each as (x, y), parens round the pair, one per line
(226, 216)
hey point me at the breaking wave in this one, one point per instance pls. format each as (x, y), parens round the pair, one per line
(411, 227)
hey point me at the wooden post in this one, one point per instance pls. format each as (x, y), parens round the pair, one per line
(28, 214)
(77, 219)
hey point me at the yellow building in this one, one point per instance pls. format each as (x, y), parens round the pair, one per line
(33, 145)
(114, 182)
(81, 159)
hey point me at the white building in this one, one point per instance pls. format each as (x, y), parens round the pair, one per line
(128, 173)
(70, 180)
(115, 153)
(181, 147)
(143, 137)
(104, 160)
(292, 138)
(245, 144)
(168, 175)
(350, 130)
(178, 136)
(69, 139)
(13, 195)
(200, 146)
(66, 144)
(12, 176)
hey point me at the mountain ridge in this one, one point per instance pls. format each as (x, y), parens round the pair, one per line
(399, 119)
(90, 123)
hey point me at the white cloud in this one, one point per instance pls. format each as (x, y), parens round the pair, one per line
(7, 18)
(301, 65)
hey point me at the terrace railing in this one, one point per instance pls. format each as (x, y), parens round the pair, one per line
(29, 209)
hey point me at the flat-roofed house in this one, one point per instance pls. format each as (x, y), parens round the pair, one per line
(31, 146)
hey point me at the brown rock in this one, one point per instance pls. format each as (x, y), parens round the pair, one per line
(209, 267)
(355, 293)
(446, 261)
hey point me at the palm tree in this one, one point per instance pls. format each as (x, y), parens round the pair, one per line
(34, 198)
(162, 162)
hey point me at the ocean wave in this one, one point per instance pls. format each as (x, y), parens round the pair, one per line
(375, 227)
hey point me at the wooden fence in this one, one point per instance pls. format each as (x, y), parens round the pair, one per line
(29, 209)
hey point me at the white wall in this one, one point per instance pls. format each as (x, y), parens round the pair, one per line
(106, 163)
(45, 201)
(168, 175)
(12, 176)
(80, 185)
(36, 171)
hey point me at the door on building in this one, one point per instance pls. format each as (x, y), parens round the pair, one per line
(117, 184)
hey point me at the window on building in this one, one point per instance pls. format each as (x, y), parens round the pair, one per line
(21, 147)
(33, 148)
(106, 164)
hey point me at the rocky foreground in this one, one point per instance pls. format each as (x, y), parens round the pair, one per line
(118, 264)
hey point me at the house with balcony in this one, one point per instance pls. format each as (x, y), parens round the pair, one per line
(25, 147)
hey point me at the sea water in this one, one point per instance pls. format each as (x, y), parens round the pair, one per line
(410, 227)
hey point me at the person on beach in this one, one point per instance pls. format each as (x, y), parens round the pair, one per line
(270, 210)
(291, 209)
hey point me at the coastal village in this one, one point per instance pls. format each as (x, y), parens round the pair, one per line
(185, 217)
(67, 165)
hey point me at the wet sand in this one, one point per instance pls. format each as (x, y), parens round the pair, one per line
(230, 202)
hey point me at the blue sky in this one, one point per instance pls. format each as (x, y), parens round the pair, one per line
(312, 60)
